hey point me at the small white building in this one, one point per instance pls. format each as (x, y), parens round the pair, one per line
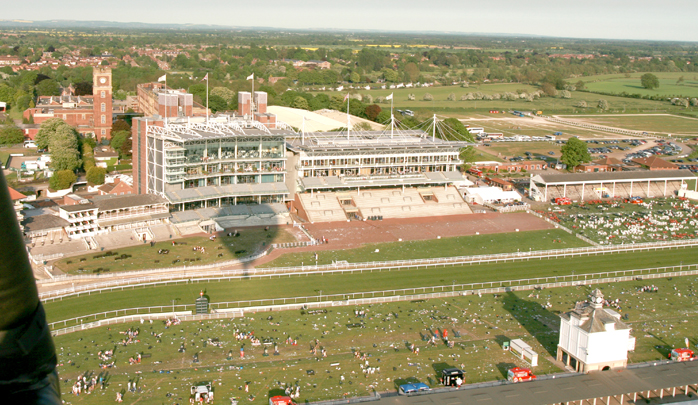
(489, 195)
(593, 337)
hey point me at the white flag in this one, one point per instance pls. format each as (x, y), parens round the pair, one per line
(205, 77)
(390, 97)
(162, 78)
(250, 77)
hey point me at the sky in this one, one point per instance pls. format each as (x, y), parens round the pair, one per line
(610, 19)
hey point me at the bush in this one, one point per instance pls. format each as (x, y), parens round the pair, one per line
(428, 97)
(96, 175)
(62, 179)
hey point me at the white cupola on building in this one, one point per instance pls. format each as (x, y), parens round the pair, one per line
(593, 337)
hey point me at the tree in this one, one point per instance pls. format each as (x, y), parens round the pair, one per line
(96, 175)
(451, 97)
(549, 89)
(565, 94)
(383, 117)
(603, 105)
(47, 131)
(354, 77)
(62, 179)
(428, 97)
(125, 150)
(227, 94)
(83, 89)
(120, 125)
(649, 81)
(390, 75)
(88, 157)
(217, 103)
(372, 111)
(301, 103)
(48, 87)
(64, 149)
(118, 139)
(11, 135)
(575, 152)
(581, 104)
(579, 85)
(454, 125)
(412, 71)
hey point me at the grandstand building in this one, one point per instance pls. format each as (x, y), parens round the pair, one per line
(221, 162)
(391, 174)
(596, 186)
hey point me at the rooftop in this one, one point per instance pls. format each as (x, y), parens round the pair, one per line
(654, 162)
(43, 222)
(563, 389)
(108, 202)
(644, 175)
(361, 140)
(113, 202)
(196, 128)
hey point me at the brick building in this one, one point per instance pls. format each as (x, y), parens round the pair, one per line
(90, 115)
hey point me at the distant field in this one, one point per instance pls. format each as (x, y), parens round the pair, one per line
(510, 125)
(549, 105)
(651, 123)
(631, 85)
(538, 149)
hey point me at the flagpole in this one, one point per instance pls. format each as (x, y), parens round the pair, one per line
(252, 98)
(206, 98)
(166, 101)
(348, 122)
(392, 117)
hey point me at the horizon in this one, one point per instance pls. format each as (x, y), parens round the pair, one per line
(641, 20)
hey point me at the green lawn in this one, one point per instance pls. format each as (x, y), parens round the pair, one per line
(668, 86)
(660, 321)
(482, 155)
(314, 285)
(662, 123)
(445, 247)
(250, 241)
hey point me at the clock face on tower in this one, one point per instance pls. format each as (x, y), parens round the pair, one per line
(102, 80)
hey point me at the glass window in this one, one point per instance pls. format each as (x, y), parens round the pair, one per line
(104, 119)
(103, 94)
(103, 107)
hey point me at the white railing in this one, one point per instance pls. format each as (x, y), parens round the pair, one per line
(239, 308)
(191, 272)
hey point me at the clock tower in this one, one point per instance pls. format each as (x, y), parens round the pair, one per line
(102, 96)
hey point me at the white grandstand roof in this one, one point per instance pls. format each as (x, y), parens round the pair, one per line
(361, 140)
(318, 121)
(609, 177)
